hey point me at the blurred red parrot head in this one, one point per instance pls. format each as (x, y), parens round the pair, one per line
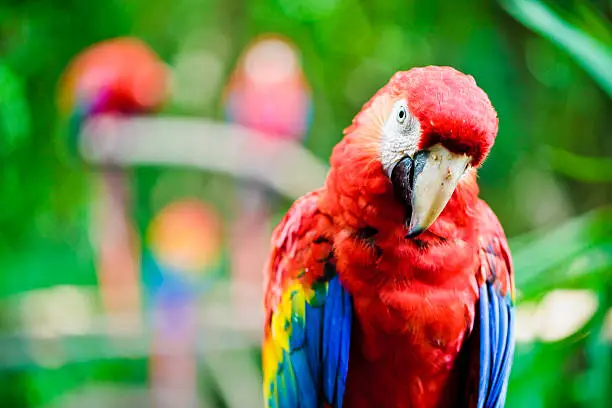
(268, 91)
(422, 132)
(121, 75)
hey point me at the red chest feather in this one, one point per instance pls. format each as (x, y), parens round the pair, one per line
(414, 305)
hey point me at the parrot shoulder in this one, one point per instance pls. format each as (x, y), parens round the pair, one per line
(301, 245)
(496, 261)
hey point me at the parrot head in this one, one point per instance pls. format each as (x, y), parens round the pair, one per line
(120, 75)
(117, 76)
(421, 133)
(268, 91)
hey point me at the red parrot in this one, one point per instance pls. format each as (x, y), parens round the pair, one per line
(267, 92)
(119, 76)
(392, 285)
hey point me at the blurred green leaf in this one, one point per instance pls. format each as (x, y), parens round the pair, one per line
(590, 54)
(578, 249)
(593, 21)
(585, 169)
(14, 112)
(594, 389)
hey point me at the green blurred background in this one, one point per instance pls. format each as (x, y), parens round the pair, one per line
(547, 68)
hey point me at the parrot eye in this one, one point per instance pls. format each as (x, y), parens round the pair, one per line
(401, 115)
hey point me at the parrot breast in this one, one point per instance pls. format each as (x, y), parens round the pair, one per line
(414, 299)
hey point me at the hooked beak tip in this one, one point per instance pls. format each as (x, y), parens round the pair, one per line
(414, 231)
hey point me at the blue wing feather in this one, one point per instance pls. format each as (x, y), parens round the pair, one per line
(345, 348)
(496, 320)
(313, 339)
(509, 357)
(499, 368)
(485, 346)
(313, 368)
(331, 339)
(287, 382)
(306, 383)
(501, 385)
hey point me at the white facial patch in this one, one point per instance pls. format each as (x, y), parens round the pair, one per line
(401, 132)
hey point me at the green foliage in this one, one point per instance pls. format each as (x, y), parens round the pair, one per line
(14, 112)
(585, 258)
(577, 254)
(585, 169)
(593, 56)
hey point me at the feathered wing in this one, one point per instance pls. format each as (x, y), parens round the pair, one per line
(494, 326)
(308, 314)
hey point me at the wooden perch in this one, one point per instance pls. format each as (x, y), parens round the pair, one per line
(285, 166)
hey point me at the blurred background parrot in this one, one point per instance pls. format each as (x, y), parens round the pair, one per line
(392, 285)
(181, 263)
(269, 93)
(116, 77)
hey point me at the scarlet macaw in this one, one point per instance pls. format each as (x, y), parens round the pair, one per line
(392, 285)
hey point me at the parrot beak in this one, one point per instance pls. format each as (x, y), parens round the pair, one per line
(426, 183)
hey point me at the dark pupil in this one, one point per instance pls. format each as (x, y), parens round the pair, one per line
(402, 114)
